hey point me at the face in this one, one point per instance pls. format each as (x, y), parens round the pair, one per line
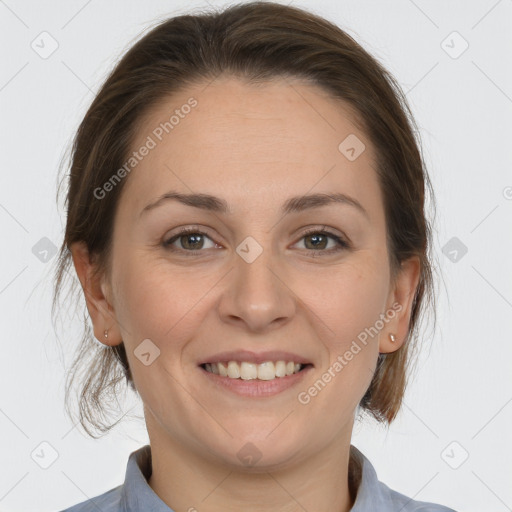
(264, 281)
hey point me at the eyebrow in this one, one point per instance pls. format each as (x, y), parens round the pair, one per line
(291, 205)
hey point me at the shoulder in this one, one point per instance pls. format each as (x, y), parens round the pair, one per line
(372, 494)
(107, 502)
(133, 494)
(406, 504)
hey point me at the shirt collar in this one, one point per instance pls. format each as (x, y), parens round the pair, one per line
(371, 494)
(138, 495)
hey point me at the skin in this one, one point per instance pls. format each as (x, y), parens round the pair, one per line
(254, 146)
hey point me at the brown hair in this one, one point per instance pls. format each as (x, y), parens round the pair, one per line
(252, 41)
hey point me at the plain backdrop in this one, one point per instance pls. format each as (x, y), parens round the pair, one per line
(451, 443)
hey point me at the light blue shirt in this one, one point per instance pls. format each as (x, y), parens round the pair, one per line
(135, 495)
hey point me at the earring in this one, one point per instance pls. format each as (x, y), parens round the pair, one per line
(106, 333)
(392, 338)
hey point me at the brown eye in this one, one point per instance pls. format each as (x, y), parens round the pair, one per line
(190, 240)
(318, 240)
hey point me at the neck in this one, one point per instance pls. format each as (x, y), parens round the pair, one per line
(185, 480)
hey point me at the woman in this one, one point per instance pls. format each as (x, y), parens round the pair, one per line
(246, 219)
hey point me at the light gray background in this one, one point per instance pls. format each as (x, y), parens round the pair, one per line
(462, 391)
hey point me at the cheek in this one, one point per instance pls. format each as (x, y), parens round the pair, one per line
(346, 299)
(347, 307)
(158, 302)
(158, 307)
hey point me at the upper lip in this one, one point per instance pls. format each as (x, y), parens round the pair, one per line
(254, 357)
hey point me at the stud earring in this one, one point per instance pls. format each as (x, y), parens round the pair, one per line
(392, 338)
(106, 333)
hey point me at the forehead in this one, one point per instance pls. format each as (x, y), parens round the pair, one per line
(257, 141)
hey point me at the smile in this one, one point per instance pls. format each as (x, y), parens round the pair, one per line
(253, 380)
(244, 370)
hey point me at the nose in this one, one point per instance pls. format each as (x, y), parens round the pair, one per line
(258, 296)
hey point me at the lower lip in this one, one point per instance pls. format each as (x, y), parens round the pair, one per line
(257, 388)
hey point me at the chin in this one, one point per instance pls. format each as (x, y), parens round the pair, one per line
(258, 446)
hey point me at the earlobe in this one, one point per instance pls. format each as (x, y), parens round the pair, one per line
(97, 303)
(400, 302)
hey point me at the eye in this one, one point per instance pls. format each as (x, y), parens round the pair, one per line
(319, 238)
(192, 241)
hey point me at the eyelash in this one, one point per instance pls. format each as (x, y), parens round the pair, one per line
(342, 244)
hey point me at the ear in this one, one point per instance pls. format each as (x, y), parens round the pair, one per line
(400, 301)
(96, 293)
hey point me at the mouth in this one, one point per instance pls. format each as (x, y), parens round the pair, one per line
(254, 380)
(245, 370)
(255, 375)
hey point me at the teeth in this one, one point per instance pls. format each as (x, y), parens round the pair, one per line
(280, 369)
(223, 370)
(233, 370)
(250, 371)
(266, 371)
